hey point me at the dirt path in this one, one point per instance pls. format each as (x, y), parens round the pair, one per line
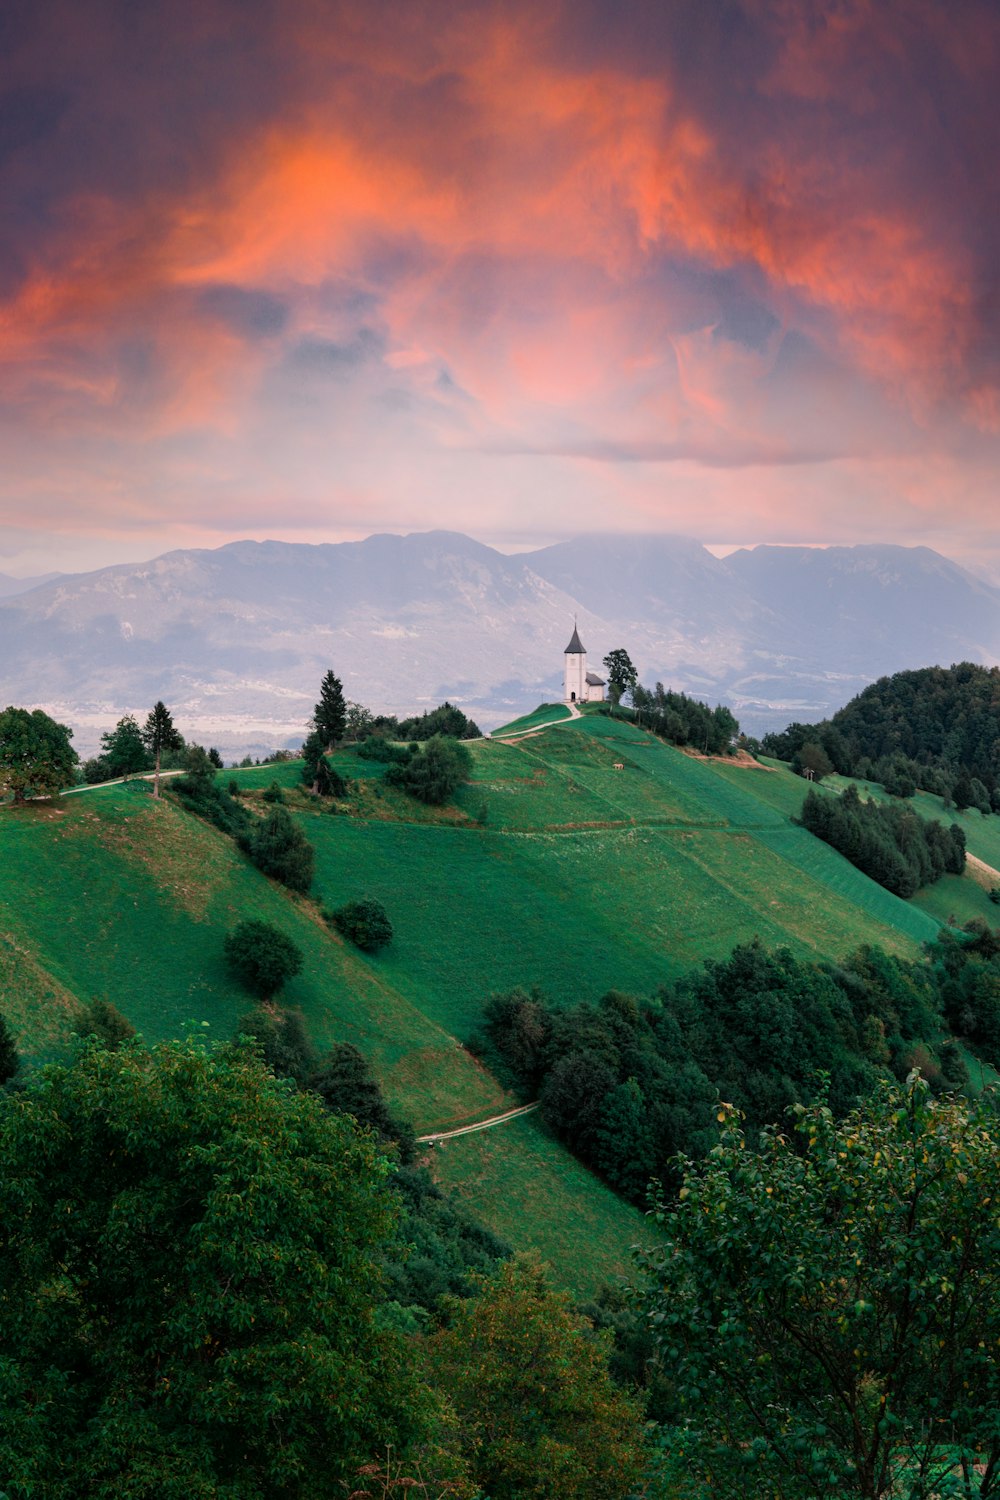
(74, 791)
(447, 1135)
(982, 873)
(523, 734)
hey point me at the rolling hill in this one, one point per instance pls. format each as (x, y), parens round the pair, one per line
(552, 868)
(237, 638)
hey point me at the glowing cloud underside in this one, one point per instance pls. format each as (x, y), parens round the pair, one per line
(319, 269)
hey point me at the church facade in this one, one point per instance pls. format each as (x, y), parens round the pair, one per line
(580, 686)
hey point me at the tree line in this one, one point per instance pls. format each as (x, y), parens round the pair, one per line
(887, 841)
(935, 728)
(627, 1083)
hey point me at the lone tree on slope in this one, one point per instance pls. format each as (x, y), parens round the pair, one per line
(262, 957)
(158, 735)
(36, 757)
(622, 675)
(330, 714)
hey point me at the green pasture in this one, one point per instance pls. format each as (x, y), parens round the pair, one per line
(521, 1182)
(113, 895)
(545, 713)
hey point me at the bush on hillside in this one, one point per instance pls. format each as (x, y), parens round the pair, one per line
(365, 923)
(280, 849)
(262, 957)
(9, 1060)
(104, 1023)
(446, 720)
(434, 773)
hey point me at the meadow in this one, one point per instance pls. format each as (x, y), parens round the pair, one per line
(583, 858)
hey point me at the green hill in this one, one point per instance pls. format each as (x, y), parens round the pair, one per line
(585, 857)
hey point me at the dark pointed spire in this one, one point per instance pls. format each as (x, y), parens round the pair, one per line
(575, 647)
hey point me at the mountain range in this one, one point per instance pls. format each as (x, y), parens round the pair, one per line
(236, 639)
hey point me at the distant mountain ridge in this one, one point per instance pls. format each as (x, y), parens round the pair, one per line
(237, 638)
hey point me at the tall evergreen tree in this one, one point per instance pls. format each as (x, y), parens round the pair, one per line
(330, 714)
(158, 735)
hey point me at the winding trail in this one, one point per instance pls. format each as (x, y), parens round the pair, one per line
(447, 1135)
(522, 734)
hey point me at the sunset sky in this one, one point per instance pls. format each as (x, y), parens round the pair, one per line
(307, 270)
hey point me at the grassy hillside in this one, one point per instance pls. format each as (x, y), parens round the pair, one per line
(554, 867)
(953, 898)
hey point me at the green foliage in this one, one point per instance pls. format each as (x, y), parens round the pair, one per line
(622, 675)
(159, 736)
(434, 773)
(344, 1081)
(538, 1412)
(365, 923)
(828, 1309)
(201, 796)
(273, 793)
(103, 1023)
(317, 772)
(263, 957)
(280, 849)
(627, 1086)
(123, 750)
(36, 757)
(812, 760)
(892, 844)
(933, 728)
(685, 721)
(9, 1060)
(445, 720)
(330, 714)
(188, 1252)
(280, 1038)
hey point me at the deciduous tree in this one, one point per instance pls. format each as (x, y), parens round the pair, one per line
(188, 1257)
(830, 1311)
(123, 750)
(538, 1412)
(622, 675)
(36, 757)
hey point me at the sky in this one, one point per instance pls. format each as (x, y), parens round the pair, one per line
(311, 270)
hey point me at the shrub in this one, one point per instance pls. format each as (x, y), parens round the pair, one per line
(273, 793)
(366, 923)
(280, 849)
(434, 773)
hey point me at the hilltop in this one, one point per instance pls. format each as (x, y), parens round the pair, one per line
(551, 868)
(234, 638)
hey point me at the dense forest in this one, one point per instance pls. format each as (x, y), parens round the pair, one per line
(889, 842)
(681, 720)
(937, 728)
(627, 1083)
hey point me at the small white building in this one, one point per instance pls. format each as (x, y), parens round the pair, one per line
(581, 686)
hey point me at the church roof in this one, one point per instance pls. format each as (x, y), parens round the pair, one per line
(594, 681)
(575, 647)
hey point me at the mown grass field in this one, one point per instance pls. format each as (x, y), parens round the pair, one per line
(522, 1183)
(954, 899)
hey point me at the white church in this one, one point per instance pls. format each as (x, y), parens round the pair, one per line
(581, 686)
